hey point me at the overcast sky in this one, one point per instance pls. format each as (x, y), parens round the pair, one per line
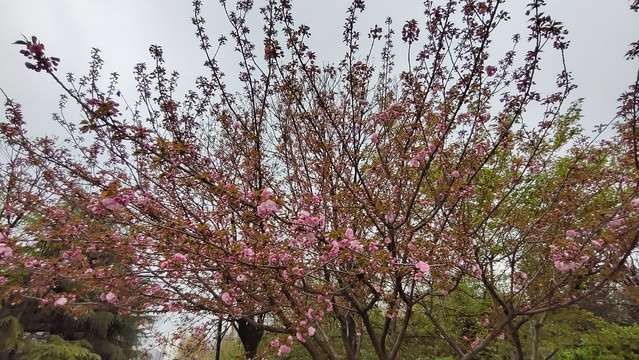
(123, 30)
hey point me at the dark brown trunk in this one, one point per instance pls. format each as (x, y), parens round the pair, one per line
(250, 335)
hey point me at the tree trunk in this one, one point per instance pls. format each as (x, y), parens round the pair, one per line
(250, 336)
(218, 340)
(350, 337)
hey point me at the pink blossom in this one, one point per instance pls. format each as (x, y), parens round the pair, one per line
(142, 200)
(349, 233)
(420, 156)
(572, 233)
(172, 306)
(474, 343)
(491, 70)
(334, 248)
(422, 266)
(226, 297)
(298, 271)
(311, 331)
(241, 278)
(61, 301)
(635, 203)
(283, 350)
(266, 193)
(112, 204)
(374, 138)
(5, 250)
(3, 280)
(455, 174)
(37, 49)
(275, 342)
(300, 337)
(565, 265)
(267, 208)
(355, 246)
(111, 297)
(309, 312)
(309, 221)
(598, 243)
(179, 257)
(616, 223)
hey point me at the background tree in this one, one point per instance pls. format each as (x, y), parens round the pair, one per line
(313, 198)
(34, 321)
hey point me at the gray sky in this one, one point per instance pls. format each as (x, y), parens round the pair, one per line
(123, 29)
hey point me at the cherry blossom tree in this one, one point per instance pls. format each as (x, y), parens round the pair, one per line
(303, 197)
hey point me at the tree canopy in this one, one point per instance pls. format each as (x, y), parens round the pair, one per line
(332, 206)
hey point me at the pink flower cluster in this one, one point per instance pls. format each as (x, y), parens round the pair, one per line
(112, 204)
(568, 258)
(304, 223)
(35, 51)
(227, 298)
(422, 268)
(422, 155)
(491, 70)
(351, 242)
(283, 348)
(110, 297)
(5, 250)
(116, 203)
(482, 147)
(267, 208)
(305, 220)
(177, 257)
(61, 301)
(72, 254)
(617, 224)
